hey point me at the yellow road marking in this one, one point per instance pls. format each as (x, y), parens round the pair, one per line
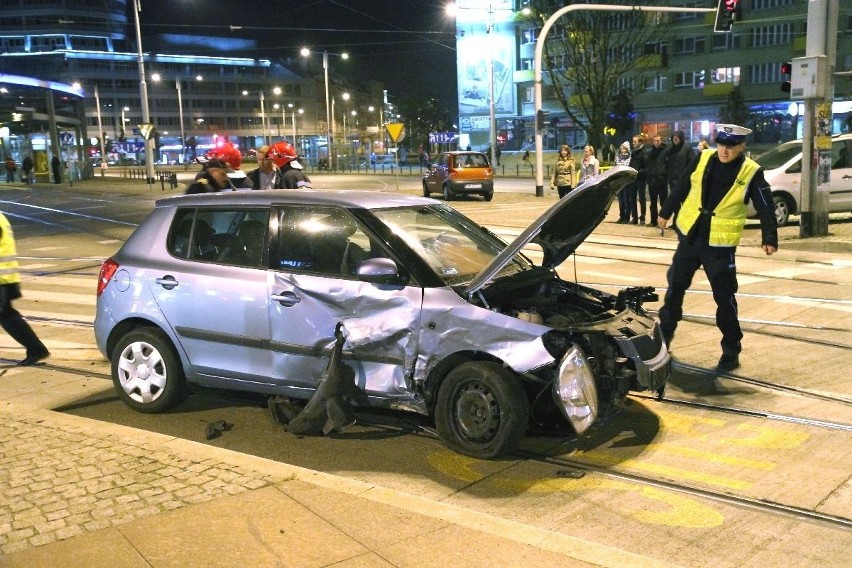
(667, 508)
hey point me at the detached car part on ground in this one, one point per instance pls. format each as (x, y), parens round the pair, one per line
(244, 290)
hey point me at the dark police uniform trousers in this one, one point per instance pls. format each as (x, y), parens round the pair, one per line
(721, 270)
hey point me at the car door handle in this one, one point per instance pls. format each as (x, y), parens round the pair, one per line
(167, 282)
(286, 299)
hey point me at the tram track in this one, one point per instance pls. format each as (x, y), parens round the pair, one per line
(573, 467)
(762, 505)
(577, 468)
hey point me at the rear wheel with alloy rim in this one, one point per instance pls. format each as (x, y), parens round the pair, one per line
(782, 210)
(447, 195)
(146, 371)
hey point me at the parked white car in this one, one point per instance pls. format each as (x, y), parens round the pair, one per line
(782, 167)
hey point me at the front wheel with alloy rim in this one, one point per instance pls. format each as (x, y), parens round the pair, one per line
(146, 371)
(782, 210)
(481, 410)
(447, 194)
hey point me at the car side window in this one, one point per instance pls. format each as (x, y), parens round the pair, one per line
(225, 236)
(324, 241)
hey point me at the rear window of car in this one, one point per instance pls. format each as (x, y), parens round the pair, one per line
(226, 236)
(780, 155)
(471, 161)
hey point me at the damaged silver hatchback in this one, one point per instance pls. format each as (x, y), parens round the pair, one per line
(245, 290)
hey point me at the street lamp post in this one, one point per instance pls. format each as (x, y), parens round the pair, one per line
(263, 118)
(492, 113)
(101, 132)
(156, 78)
(143, 91)
(123, 132)
(345, 97)
(328, 101)
(180, 118)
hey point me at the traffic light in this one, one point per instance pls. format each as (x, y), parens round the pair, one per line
(786, 71)
(727, 12)
(540, 118)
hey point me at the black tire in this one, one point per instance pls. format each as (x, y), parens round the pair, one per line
(146, 372)
(426, 191)
(488, 196)
(782, 210)
(447, 194)
(481, 410)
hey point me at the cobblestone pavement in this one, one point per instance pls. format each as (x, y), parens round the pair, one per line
(58, 481)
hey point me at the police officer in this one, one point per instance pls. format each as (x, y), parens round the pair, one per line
(711, 196)
(10, 289)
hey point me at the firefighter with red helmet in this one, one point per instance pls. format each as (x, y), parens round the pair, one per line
(230, 155)
(284, 155)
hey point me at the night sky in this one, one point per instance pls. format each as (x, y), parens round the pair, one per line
(408, 45)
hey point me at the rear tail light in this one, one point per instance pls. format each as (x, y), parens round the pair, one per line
(108, 269)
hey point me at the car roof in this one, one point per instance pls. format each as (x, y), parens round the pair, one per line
(350, 199)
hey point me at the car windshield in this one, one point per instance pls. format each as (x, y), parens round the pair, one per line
(780, 155)
(455, 247)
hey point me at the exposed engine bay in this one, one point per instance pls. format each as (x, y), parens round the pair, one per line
(614, 332)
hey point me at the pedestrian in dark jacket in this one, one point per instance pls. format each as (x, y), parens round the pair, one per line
(711, 198)
(677, 157)
(636, 190)
(56, 166)
(27, 167)
(658, 187)
(266, 175)
(213, 178)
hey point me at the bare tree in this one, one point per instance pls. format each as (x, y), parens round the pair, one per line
(591, 56)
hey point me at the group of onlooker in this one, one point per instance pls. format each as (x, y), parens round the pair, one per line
(659, 168)
(26, 169)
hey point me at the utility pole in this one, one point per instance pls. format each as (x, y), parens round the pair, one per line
(812, 79)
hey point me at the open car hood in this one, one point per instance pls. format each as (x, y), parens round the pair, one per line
(563, 227)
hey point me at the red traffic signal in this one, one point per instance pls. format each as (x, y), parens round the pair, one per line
(727, 12)
(786, 70)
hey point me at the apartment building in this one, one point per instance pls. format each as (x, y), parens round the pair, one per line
(685, 76)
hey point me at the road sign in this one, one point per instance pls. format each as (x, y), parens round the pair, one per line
(147, 131)
(396, 131)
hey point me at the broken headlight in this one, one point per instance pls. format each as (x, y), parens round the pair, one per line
(574, 391)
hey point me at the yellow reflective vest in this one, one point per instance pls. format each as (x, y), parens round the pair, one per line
(8, 256)
(728, 220)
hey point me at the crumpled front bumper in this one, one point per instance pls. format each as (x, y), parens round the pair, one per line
(650, 357)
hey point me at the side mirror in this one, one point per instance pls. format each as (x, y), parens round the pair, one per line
(379, 271)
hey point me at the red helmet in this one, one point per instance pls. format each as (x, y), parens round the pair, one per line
(282, 153)
(228, 153)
